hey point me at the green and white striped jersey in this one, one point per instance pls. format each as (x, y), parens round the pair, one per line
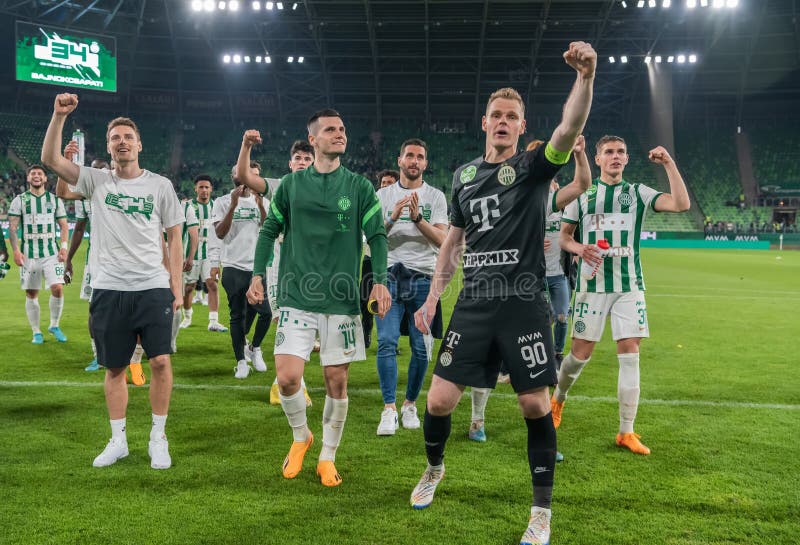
(615, 213)
(203, 213)
(191, 221)
(38, 220)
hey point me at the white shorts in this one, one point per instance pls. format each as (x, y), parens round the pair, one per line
(627, 310)
(341, 337)
(86, 284)
(201, 270)
(35, 269)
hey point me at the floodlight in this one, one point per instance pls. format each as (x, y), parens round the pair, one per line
(270, 5)
(197, 5)
(237, 59)
(294, 6)
(258, 58)
(221, 5)
(658, 58)
(624, 4)
(280, 5)
(647, 59)
(226, 59)
(692, 58)
(731, 3)
(651, 3)
(691, 4)
(233, 5)
(300, 59)
(640, 4)
(718, 4)
(208, 5)
(268, 59)
(256, 6)
(681, 59)
(612, 60)
(247, 58)
(670, 58)
(665, 3)
(290, 59)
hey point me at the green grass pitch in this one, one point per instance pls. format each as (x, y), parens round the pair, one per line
(720, 410)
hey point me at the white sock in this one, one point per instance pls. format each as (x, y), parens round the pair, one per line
(56, 306)
(118, 430)
(571, 369)
(213, 317)
(32, 310)
(302, 383)
(628, 390)
(480, 396)
(333, 417)
(187, 313)
(294, 407)
(157, 431)
(136, 357)
(94, 349)
(276, 380)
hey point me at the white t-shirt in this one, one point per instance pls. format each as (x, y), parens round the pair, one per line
(239, 245)
(128, 217)
(407, 244)
(552, 230)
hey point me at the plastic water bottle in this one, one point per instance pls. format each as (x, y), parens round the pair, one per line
(78, 157)
(588, 271)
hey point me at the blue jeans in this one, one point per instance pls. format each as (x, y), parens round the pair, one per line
(407, 302)
(558, 288)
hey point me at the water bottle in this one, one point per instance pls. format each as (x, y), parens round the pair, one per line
(78, 157)
(588, 271)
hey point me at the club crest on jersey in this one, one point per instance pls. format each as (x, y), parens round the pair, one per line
(131, 205)
(580, 327)
(279, 338)
(625, 199)
(446, 359)
(592, 191)
(506, 175)
(344, 203)
(468, 174)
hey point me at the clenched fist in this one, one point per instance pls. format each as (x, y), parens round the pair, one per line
(582, 57)
(65, 104)
(251, 138)
(580, 144)
(659, 156)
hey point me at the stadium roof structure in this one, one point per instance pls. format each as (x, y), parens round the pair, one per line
(437, 59)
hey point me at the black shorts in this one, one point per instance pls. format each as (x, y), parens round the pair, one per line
(119, 316)
(483, 333)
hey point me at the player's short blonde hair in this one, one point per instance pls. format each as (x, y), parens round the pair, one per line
(508, 93)
(123, 121)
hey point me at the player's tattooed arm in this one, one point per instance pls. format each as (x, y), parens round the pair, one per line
(583, 59)
(243, 173)
(13, 225)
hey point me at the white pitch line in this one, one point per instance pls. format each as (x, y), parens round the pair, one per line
(376, 392)
(726, 297)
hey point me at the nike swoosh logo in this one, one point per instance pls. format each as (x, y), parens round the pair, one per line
(348, 352)
(537, 374)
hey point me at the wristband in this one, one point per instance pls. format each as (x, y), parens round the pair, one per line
(390, 221)
(556, 157)
(63, 245)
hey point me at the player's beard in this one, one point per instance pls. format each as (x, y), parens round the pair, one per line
(409, 176)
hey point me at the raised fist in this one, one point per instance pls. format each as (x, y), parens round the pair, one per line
(65, 104)
(582, 57)
(659, 155)
(580, 144)
(251, 138)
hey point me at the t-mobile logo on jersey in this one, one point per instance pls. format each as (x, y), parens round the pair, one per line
(486, 211)
(453, 339)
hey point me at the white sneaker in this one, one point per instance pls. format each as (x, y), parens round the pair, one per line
(258, 360)
(216, 326)
(241, 370)
(248, 352)
(197, 297)
(388, 423)
(538, 532)
(204, 300)
(422, 496)
(115, 450)
(408, 415)
(159, 454)
(186, 322)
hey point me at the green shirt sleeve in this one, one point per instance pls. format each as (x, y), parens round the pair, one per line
(373, 227)
(270, 229)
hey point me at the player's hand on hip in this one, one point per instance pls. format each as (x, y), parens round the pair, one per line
(660, 156)
(70, 150)
(19, 259)
(255, 294)
(590, 254)
(251, 138)
(582, 57)
(65, 104)
(380, 293)
(424, 316)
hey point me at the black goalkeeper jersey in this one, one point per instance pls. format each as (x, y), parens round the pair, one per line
(502, 208)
